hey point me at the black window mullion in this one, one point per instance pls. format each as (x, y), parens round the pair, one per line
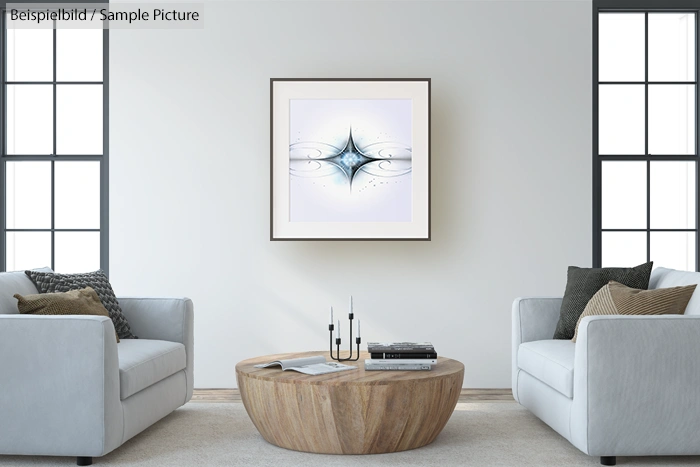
(60, 157)
(644, 230)
(3, 143)
(597, 161)
(53, 205)
(646, 129)
(697, 148)
(648, 210)
(53, 164)
(637, 157)
(645, 81)
(104, 160)
(54, 106)
(53, 230)
(70, 82)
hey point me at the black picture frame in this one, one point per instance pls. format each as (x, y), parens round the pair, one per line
(276, 235)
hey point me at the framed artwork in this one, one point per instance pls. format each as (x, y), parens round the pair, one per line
(350, 159)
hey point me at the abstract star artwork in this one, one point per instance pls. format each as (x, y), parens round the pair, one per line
(350, 159)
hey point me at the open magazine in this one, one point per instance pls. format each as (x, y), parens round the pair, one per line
(309, 365)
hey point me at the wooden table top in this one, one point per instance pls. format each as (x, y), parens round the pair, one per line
(444, 367)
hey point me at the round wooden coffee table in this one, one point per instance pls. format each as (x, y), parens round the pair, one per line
(352, 412)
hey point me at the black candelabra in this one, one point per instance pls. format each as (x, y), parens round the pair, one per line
(331, 328)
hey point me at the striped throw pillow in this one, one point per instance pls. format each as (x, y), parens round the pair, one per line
(618, 299)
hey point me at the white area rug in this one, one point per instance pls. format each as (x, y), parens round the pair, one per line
(221, 434)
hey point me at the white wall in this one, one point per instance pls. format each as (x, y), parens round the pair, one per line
(511, 149)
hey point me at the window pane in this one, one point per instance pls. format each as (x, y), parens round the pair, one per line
(28, 250)
(30, 119)
(77, 195)
(675, 250)
(79, 119)
(28, 188)
(621, 119)
(29, 54)
(671, 47)
(77, 252)
(79, 54)
(671, 119)
(624, 195)
(621, 47)
(672, 195)
(624, 249)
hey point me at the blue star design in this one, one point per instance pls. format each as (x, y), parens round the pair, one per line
(350, 159)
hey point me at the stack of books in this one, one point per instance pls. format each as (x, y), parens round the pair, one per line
(400, 356)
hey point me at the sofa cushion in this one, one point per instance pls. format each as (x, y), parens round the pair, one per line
(12, 283)
(662, 278)
(144, 362)
(550, 361)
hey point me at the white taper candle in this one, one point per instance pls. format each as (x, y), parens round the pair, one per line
(337, 331)
(350, 303)
(358, 328)
(331, 321)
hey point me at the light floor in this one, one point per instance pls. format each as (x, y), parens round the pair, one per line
(221, 434)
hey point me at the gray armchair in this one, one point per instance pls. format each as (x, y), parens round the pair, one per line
(68, 389)
(629, 385)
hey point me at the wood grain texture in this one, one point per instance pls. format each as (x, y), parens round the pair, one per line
(353, 412)
(467, 396)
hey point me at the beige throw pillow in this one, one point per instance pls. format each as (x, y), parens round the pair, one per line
(618, 299)
(76, 302)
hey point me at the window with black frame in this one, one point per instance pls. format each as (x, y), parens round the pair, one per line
(54, 148)
(645, 143)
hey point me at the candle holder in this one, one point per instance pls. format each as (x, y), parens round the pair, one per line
(331, 328)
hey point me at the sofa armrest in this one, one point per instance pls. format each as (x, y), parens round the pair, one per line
(533, 319)
(59, 386)
(167, 319)
(636, 385)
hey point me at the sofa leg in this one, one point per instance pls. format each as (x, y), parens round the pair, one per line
(608, 460)
(88, 461)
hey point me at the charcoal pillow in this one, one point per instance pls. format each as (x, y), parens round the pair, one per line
(47, 282)
(583, 283)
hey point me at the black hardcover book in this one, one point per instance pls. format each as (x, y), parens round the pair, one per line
(387, 355)
(400, 347)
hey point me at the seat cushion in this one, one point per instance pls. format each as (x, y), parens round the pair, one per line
(550, 361)
(144, 362)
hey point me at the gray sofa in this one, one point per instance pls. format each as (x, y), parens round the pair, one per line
(68, 389)
(629, 386)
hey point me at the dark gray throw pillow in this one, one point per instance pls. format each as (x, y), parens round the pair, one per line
(47, 282)
(583, 283)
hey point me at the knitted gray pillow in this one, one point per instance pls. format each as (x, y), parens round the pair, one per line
(48, 282)
(583, 283)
